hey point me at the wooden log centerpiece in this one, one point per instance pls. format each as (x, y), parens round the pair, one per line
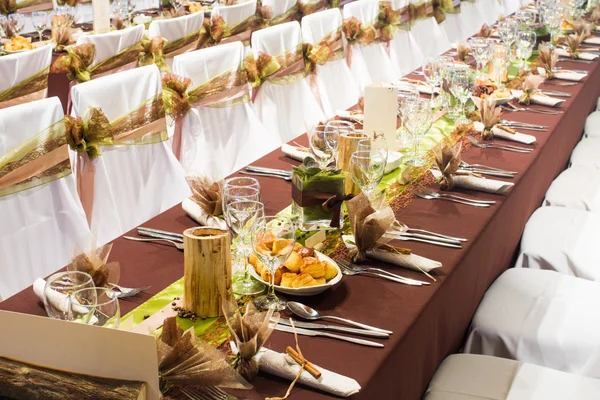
(207, 271)
(348, 142)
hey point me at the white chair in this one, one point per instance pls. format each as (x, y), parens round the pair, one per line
(491, 10)
(369, 63)
(283, 10)
(577, 187)
(405, 53)
(285, 108)
(132, 183)
(472, 17)
(16, 68)
(235, 15)
(477, 377)
(592, 125)
(540, 317)
(174, 30)
(336, 85)
(563, 240)
(43, 225)
(586, 153)
(454, 26)
(431, 39)
(222, 137)
(511, 6)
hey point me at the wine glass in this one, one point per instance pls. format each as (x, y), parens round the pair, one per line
(377, 143)
(500, 60)
(273, 240)
(366, 170)
(16, 22)
(95, 306)
(461, 87)
(525, 42)
(242, 214)
(58, 288)
(323, 143)
(552, 19)
(40, 21)
(431, 69)
(479, 48)
(406, 92)
(3, 25)
(507, 31)
(418, 122)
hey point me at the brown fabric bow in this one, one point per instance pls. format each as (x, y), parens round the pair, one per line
(207, 194)
(581, 27)
(312, 7)
(95, 263)
(547, 60)
(153, 53)
(490, 116)
(448, 161)
(573, 42)
(70, 3)
(76, 62)
(530, 87)
(356, 33)
(8, 7)
(485, 31)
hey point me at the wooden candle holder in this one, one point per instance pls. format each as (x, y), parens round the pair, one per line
(348, 142)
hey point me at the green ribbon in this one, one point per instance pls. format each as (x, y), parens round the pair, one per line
(34, 83)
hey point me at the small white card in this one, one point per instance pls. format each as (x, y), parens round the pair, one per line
(101, 9)
(381, 108)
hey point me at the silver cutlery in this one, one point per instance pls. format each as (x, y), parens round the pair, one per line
(287, 178)
(403, 228)
(352, 269)
(559, 83)
(337, 328)
(154, 235)
(497, 146)
(488, 172)
(306, 312)
(555, 93)
(575, 61)
(422, 236)
(205, 393)
(122, 292)
(525, 127)
(522, 124)
(407, 238)
(436, 194)
(481, 167)
(429, 197)
(178, 245)
(512, 107)
(265, 170)
(308, 332)
(578, 71)
(152, 230)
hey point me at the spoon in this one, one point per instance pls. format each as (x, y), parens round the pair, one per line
(304, 311)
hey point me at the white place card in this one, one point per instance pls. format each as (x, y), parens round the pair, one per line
(381, 107)
(101, 9)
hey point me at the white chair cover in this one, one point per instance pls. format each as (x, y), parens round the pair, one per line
(176, 28)
(540, 317)
(454, 26)
(132, 183)
(369, 63)
(511, 6)
(577, 187)
(42, 227)
(279, 7)
(563, 240)
(219, 140)
(586, 153)
(286, 110)
(472, 17)
(592, 125)
(491, 10)
(430, 38)
(15, 68)
(337, 88)
(477, 377)
(405, 53)
(233, 15)
(111, 43)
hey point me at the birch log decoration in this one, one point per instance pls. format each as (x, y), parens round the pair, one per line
(347, 144)
(207, 271)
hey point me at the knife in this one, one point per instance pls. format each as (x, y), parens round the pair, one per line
(355, 331)
(427, 237)
(556, 93)
(253, 168)
(308, 332)
(153, 234)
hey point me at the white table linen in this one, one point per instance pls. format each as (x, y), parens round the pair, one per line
(540, 317)
(586, 153)
(577, 187)
(195, 212)
(216, 141)
(540, 99)
(42, 227)
(132, 183)
(582, 55)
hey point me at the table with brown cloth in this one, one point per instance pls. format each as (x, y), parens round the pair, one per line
(428, 322)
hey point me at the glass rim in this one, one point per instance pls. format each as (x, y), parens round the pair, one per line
(50, 281)
(105, 289)
(364, 154)
(227, 183)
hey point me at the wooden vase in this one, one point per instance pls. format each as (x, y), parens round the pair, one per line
(207, 271)
(348, 142)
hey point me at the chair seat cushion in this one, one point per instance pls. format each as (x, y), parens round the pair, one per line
(586, 153)
(577, 187)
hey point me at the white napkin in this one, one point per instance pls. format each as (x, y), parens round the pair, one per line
(502, 134)
(58, 300)
(540, 99)
(592, 40)
(200, 216)
(410, 261)
(294, 152)
(283, 366)
(479, 184)
(348, 115)
(566, 75)
(582, 55)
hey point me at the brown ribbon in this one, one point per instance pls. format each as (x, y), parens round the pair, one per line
(331, 202)
(35, 167)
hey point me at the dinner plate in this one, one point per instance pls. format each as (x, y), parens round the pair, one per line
(308, 290)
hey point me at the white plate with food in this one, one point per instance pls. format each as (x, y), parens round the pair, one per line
(306, 272)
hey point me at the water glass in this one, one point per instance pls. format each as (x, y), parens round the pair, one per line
(323, 143)
(366, 170)
(500, 60)
(431, 71)
(58, 288)
(462, 88)
(406, 92)
(16, 23)
(525, 43)
(40, 21)
(377, 143)
(95, 306)
(3, 26)
(418, 122)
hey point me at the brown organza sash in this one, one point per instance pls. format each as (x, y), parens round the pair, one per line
(11, 6)
(42, 159)
(330, 48)
(220, 33)
(310, 8)
(33, 88)
(421, 11)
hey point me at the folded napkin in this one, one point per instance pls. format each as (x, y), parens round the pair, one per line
(480, 184)
(564, 74)
(502, 134)
(350, 115)
(592, 40)
(582, 55)
(283, 366)
(200, 216)
(421, 86)
(540, 99)
(410, 261)
(58, 300)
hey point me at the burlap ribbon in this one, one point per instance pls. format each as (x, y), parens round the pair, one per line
(40, 160)
(547, 60)
(208, 195)
(305, 9)
(192, 41)
(144, 125)
(443, 7)
(421, 11)
(573, 42)
(485, 31)
(152, 53)
(30, 89)
(530, 88)
(221, 33)
(330, 48)
(226, 89)
(594, 15)
(448, 162)
(95, 262)
(291, 14)
(463, 50)
(390, 21)
(62, 37)
(490, 116)
(581, 27)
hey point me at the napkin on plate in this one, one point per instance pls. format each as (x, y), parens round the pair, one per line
(540, 99)
(283, 366)
(294, 152)
(564, 74)
(592, 40)
(502, 134)
(350, 115)
(479, 184)
(200, 216)
(582, 55)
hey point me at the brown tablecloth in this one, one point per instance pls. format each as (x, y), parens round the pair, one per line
(428, 322)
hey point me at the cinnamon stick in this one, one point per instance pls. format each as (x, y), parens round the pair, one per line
(506, 128)
(307, 364)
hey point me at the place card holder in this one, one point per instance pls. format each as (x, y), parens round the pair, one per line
(101, 10)
(381, 112)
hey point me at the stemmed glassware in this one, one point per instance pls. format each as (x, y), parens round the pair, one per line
(273, 240)
(552, 19)
(526, 40)
(58, 288)
(40, 21)
(3, 25)
(377, 143)
(418, 122)
(343, 128)
(16, 23)
(480, 52)
(406, 93)
(461, 88)
(95, 306)
(323, 143)
(366, 170)
(431, 71)
(507, 30)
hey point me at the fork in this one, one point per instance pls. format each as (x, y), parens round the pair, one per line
(399, 228)
(558, 83)
(430, 197)
(127, 292)
(178, 245)
(352, 269)
(206, 393)
(497, 146)
(436, 194)
(535, 110)
(287, 178)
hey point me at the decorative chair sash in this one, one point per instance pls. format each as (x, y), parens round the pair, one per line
(42, 159)
(144, 125)
(421, 11)
(186, 43)
(224, 90)
(357, 33)
(27, 6)
(30, 89)
(153, 53)
(390, 21)
(443, 7)
(310, 8)
(220, 33)
(291, 14)
(71, 3)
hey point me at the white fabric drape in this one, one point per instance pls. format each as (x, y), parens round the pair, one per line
(43, 227)
(279, 7)
(132, 183)
(472, 17)
(577, 187)
(430, 38)
(337, 87)
(233, 15)
(111, 43)
(405, 53)
(219, 140)
(15, 68)
(285, 110)
(540, 317)
(592, 125)
(586, 153)
(176, 28)
(454, 26)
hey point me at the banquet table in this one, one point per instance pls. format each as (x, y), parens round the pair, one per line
(428, 322)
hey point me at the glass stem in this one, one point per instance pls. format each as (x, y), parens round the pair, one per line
(462, 109)
(271, 292)
(246, 277)
(416, 147)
